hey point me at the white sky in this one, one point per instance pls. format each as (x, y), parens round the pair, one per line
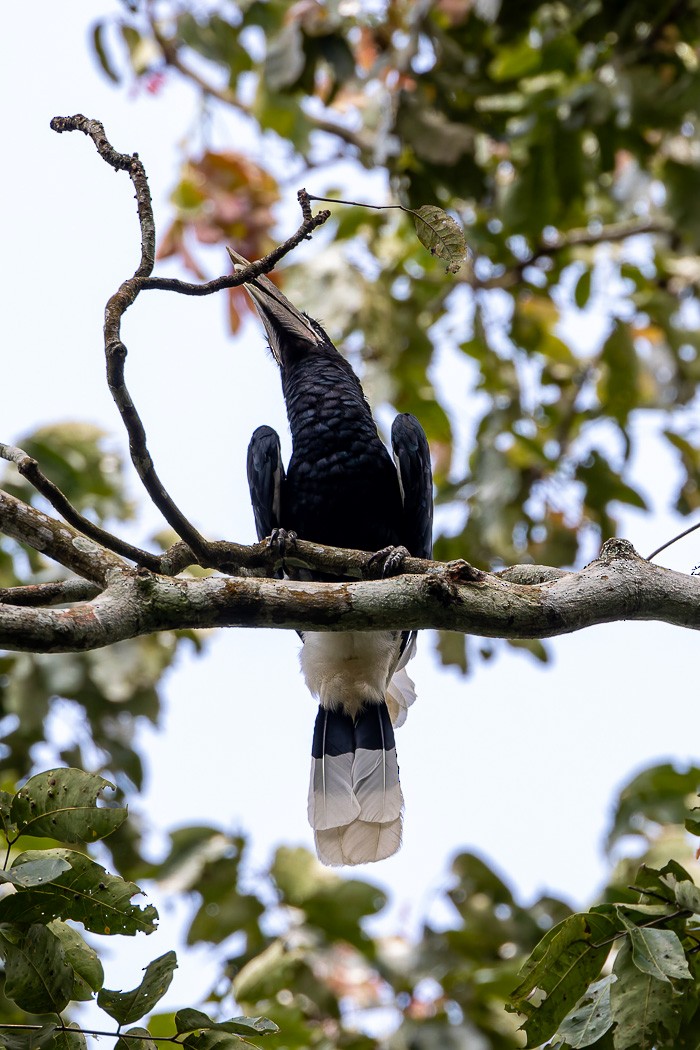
(516, 763)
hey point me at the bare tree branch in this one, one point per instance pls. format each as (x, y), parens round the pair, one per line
(125, 296)
(30, 469)
(60, 592)
(604, 234)
(62, 543)
(620, 585)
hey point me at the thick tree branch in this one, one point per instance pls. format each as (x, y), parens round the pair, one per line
(620, 585)
(60, 542)
(60, 592)
(30, 469)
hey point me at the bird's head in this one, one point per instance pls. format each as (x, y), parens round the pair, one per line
(288, 330)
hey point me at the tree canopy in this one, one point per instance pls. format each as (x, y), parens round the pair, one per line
(562, 139)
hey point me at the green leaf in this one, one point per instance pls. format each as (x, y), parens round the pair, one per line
(591, 1018)
(642, 1007)
(515, 61)
(101, 52)
(656, 952)
(5, 817)
(36, 872)
(687, 896)
(62, 804)
(87, 968)
(37, 974)
(659, 795)
(618, 387)
(191, 1020)
(127, 1007)
(582, 291)
(285, 59)
(85, 893)
(559, 971)
(68, 1038)
(141, 1041)
(441, 235)
(23, 1040)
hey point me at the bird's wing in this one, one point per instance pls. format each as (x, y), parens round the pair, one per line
(412, 458)
(265, 478)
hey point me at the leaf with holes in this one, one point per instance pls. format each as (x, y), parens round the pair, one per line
(189, 1020)
(136, 1039)
(642, 1007)
(441, 235)
(559, 971)
(38, 976)
(88, 975)
(658, 953)
(85, 893)
(591, 1018)
(36, 872)
(127, 1007)
(62, 804)
(69, 1038)
(23, 1040)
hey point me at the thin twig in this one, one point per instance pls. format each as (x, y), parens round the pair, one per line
(92, 1031)
(680, 536)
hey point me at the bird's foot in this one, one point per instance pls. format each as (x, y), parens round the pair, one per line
(390, 560)
(282, 541)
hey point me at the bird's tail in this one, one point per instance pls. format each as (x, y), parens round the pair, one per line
(355, 800)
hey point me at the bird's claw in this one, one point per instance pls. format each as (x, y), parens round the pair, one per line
(282, 541)
(391, 560)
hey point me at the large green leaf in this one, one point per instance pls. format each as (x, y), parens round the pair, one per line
(85, 893)
(69, 1038)
(658, 953)
(43, 870)
(191, 1020)
(591, 1018)
(127, 1007)
(38, 976)
(62, 804)
(559, 971)
(20, 1039)
(136, 1039)
(642, 1006)
(87, 968)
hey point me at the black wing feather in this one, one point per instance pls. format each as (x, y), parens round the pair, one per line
(265, 480)
(412, 456)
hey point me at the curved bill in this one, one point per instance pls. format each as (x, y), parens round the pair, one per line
(281, 319)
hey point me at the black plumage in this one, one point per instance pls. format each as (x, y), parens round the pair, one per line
(342, 489)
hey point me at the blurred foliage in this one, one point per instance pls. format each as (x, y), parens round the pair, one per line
(302, 963)
(564, 138)
(79, 709)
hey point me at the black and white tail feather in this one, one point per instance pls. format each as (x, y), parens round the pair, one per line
(355, 798)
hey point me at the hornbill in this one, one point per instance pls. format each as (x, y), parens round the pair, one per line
(342, 489)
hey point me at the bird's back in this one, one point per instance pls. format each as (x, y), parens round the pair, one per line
(341, 487)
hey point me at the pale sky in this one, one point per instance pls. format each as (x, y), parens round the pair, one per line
(517, 763)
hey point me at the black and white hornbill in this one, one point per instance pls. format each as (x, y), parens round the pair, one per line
(342, 489)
